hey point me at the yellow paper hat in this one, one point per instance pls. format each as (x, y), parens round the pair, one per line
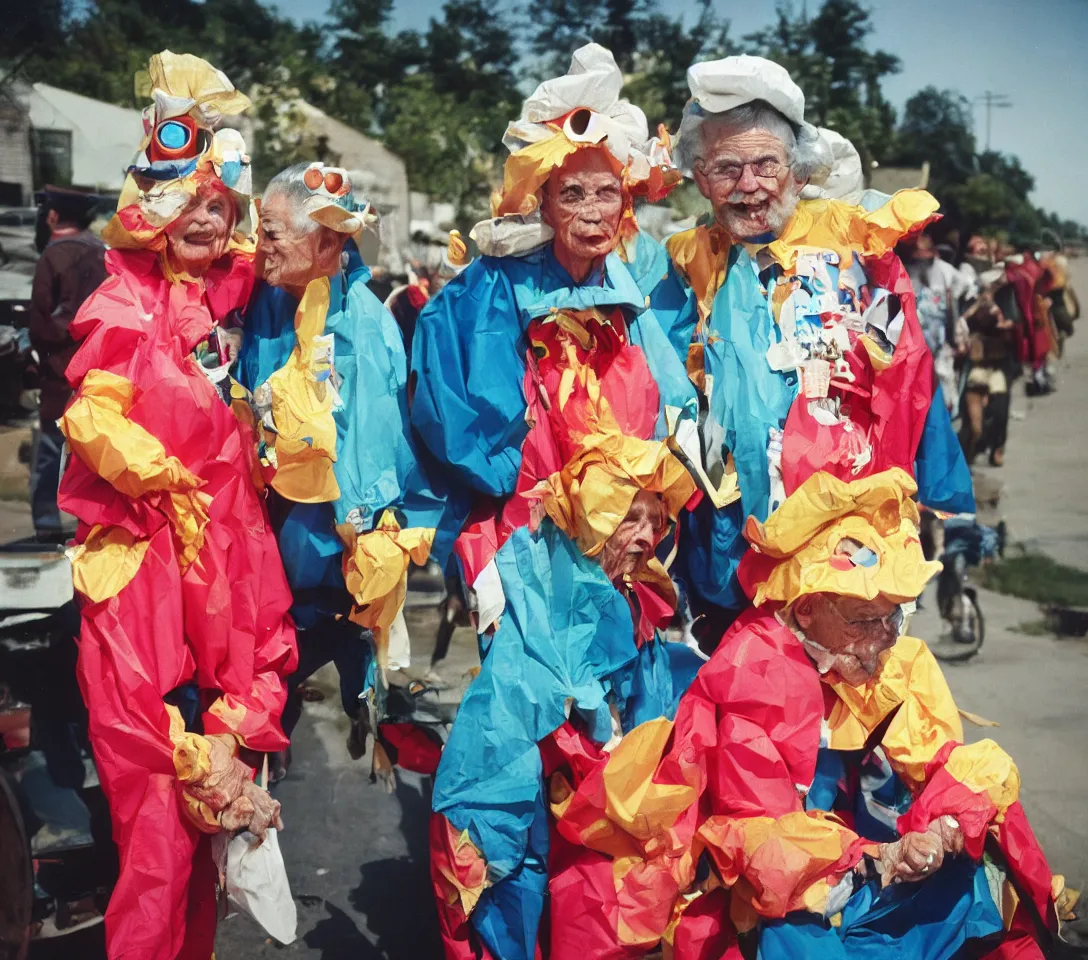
(591, 495)
(800, 549)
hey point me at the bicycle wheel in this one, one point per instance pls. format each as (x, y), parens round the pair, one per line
(968, 630)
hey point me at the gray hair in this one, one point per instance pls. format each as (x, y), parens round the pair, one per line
(807, 154)
(289, 184)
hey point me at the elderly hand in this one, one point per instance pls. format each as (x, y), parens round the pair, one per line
(254, 810)
(913, 857)
(232, 338)
(947, 830)
(228, 775)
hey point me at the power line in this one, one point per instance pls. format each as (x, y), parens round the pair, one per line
(991, 101)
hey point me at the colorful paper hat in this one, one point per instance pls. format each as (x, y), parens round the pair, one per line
(582, 109)
(857, 539)
(182, 147)
(333, 203)
(591, 495)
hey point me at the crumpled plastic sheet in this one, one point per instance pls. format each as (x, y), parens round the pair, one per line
(795, 550)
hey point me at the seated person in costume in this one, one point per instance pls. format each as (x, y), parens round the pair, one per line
(185, 636)
(575, 654)
(503, 352)
(325, 362)
(814, 794)
(795, 318)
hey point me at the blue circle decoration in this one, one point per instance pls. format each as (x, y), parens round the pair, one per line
(173, 135)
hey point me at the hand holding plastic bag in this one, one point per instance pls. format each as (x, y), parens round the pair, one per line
(255, 881)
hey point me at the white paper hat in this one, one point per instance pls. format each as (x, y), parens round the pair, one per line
(720, 85)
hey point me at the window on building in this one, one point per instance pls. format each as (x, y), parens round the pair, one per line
(52, 157)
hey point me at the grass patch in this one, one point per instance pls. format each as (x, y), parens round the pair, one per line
(1032, 628)
(1035, 576)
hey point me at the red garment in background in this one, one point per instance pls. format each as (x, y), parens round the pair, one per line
(221, 625)
(1026, 278)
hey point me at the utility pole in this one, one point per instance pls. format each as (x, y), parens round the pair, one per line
(992, 100)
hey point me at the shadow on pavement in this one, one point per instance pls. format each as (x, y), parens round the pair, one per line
(395, 894)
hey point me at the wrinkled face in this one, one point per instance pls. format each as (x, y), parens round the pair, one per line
(287, 256)
(845, 636)
(746, 178)
(583, 202)
(632, 544)
(199, 236)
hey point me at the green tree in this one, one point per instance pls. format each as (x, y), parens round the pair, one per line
(936, 127)
(1007, 169)
(556, 28)
(666, 48)
(828, 57)
(446, 118)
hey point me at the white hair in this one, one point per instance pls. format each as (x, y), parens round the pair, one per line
(289, 183)
(809, 157)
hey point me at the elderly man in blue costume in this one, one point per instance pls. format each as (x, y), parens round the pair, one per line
(552, 312)
(326, 365)
(575, 656)
(795, 319)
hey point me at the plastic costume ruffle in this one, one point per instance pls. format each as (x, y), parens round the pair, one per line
(565, 662)
(806, 349)
(513, 327)
(795, 552)
(748, 814)
(183, 597)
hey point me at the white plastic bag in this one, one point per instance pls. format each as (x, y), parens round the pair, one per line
(256, 883)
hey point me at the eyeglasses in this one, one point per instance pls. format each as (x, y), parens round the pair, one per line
(765, 168)
(890, 621)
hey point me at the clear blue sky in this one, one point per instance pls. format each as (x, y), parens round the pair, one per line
(1032, 51)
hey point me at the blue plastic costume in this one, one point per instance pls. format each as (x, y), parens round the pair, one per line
(469, 360)
(567, 637)
(376, 465)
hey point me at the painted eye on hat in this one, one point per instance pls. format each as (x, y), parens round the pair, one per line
(174, 139)
(313, 178)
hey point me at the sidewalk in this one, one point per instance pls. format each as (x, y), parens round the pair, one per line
(1036, 687)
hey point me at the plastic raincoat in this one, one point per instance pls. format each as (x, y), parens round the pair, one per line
(745, 319)
(185, 630)
(375, 465)
(752, 814)
(183, 596)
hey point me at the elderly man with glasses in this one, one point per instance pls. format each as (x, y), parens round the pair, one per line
(814, 796)
(795, 319)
